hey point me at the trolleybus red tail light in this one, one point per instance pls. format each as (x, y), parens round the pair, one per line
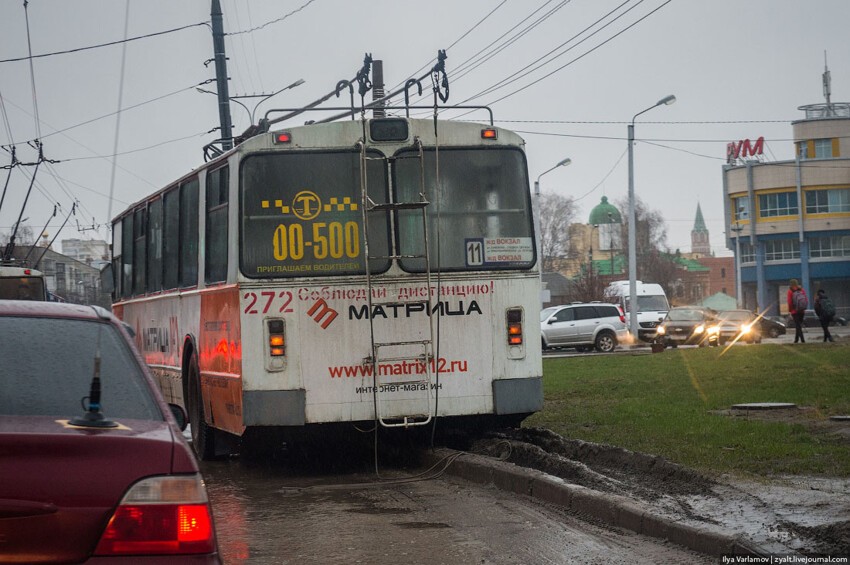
(514, 319)
(489, 133)
(277, 340)
(166, 515)
(282, 137)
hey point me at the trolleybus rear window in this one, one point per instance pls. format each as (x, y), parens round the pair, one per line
(301, 214)
(481, 216)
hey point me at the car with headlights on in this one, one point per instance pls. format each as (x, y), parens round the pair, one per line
(94, 468)
(684, 325)
(735, 325)
(583, 326)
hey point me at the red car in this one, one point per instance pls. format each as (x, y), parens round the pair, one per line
(93, 466)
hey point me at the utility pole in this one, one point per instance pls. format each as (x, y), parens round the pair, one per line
(221, 76)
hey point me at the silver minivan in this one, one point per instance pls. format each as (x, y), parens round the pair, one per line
(583, 326)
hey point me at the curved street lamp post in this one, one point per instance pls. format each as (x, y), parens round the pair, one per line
(633, 321)
(537, 232)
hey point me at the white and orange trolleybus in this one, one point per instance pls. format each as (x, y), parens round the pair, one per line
(377, 270)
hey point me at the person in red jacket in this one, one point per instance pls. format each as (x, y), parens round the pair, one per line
(796, 312)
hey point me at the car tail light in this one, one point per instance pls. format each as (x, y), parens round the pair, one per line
(514, 319)
(622, 316)
(162, 516)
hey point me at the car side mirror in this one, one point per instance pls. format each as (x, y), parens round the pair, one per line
(179, 415)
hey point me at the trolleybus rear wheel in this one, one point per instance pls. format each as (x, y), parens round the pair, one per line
(203, 436)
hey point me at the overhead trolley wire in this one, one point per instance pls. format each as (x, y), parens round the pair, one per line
(530, 68)
(456, 41)
(471, 63)
(465, 68)
(583, 55)
(280, 19)
(78, 49)
(118, 112)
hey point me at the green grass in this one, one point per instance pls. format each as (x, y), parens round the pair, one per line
(666, 404)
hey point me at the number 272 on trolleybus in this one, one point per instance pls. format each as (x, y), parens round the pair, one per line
(339, 273)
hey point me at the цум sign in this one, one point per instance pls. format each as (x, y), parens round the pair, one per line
(743, 149)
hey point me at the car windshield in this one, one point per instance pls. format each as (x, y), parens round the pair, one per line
(735, 316)
(546, 312)
(685, 315)
(48, 365)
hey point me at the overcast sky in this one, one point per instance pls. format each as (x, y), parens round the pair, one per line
(738, 69)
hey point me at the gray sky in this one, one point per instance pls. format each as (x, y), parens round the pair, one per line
(738, 69)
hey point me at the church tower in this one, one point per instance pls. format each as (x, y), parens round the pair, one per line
(700, 246)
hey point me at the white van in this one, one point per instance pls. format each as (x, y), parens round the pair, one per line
(652, 305)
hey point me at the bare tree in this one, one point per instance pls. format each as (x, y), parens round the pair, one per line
(654, 263)
(556, 214)
(587, 286)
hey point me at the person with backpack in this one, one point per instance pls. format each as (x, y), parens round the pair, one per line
(797, 304)
(825, 310)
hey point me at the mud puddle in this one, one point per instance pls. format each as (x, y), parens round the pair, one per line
(805, 515)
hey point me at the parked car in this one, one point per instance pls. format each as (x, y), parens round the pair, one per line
(95, 466)
(583, 326)
(811, 320)
(684, 325)
(772, 326)
(734, 325)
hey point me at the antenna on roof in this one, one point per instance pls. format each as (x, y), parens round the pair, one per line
(827, 81)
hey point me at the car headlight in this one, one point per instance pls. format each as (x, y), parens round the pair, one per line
(660, 330)
(699, 329)
(713, 330)
(745, 329)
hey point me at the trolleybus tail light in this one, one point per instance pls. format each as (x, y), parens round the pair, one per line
(282, 137)
(164, 515)
(514, 319)
(489, 133)
(277, 341)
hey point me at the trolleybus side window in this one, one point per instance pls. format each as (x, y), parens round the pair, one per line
(216, 241)
(127, 256)
(189, 233)
(483, 209)
(300, 214)
(171, 239)
(139, 225)
(154, 250)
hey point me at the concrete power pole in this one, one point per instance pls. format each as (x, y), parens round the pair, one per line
(221, 76)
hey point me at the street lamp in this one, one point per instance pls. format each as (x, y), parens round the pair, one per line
(633, 321)
(537, 234)
(264, 97)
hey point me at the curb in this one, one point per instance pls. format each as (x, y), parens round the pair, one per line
(611, 509)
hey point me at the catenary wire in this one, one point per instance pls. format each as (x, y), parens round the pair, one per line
(522, 73)
(118, 112)
(455, 42)
(78, 49)
(280, 19)
(586, 53)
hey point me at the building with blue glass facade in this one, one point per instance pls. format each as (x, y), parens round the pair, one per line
(791, 219)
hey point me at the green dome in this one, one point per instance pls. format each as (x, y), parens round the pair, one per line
(605, 213)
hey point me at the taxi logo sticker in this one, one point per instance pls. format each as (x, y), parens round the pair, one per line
(306, 205)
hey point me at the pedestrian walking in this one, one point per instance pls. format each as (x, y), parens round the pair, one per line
(797, 304)
(825, 310)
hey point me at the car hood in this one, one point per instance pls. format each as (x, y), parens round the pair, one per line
(59, 484)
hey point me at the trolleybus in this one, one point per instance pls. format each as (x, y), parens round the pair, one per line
(355, 272)
(22, 283)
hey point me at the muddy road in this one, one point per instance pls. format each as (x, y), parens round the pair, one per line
(273, 512)
(334, 506)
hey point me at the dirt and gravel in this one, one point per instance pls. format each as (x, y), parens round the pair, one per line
(790, 514)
